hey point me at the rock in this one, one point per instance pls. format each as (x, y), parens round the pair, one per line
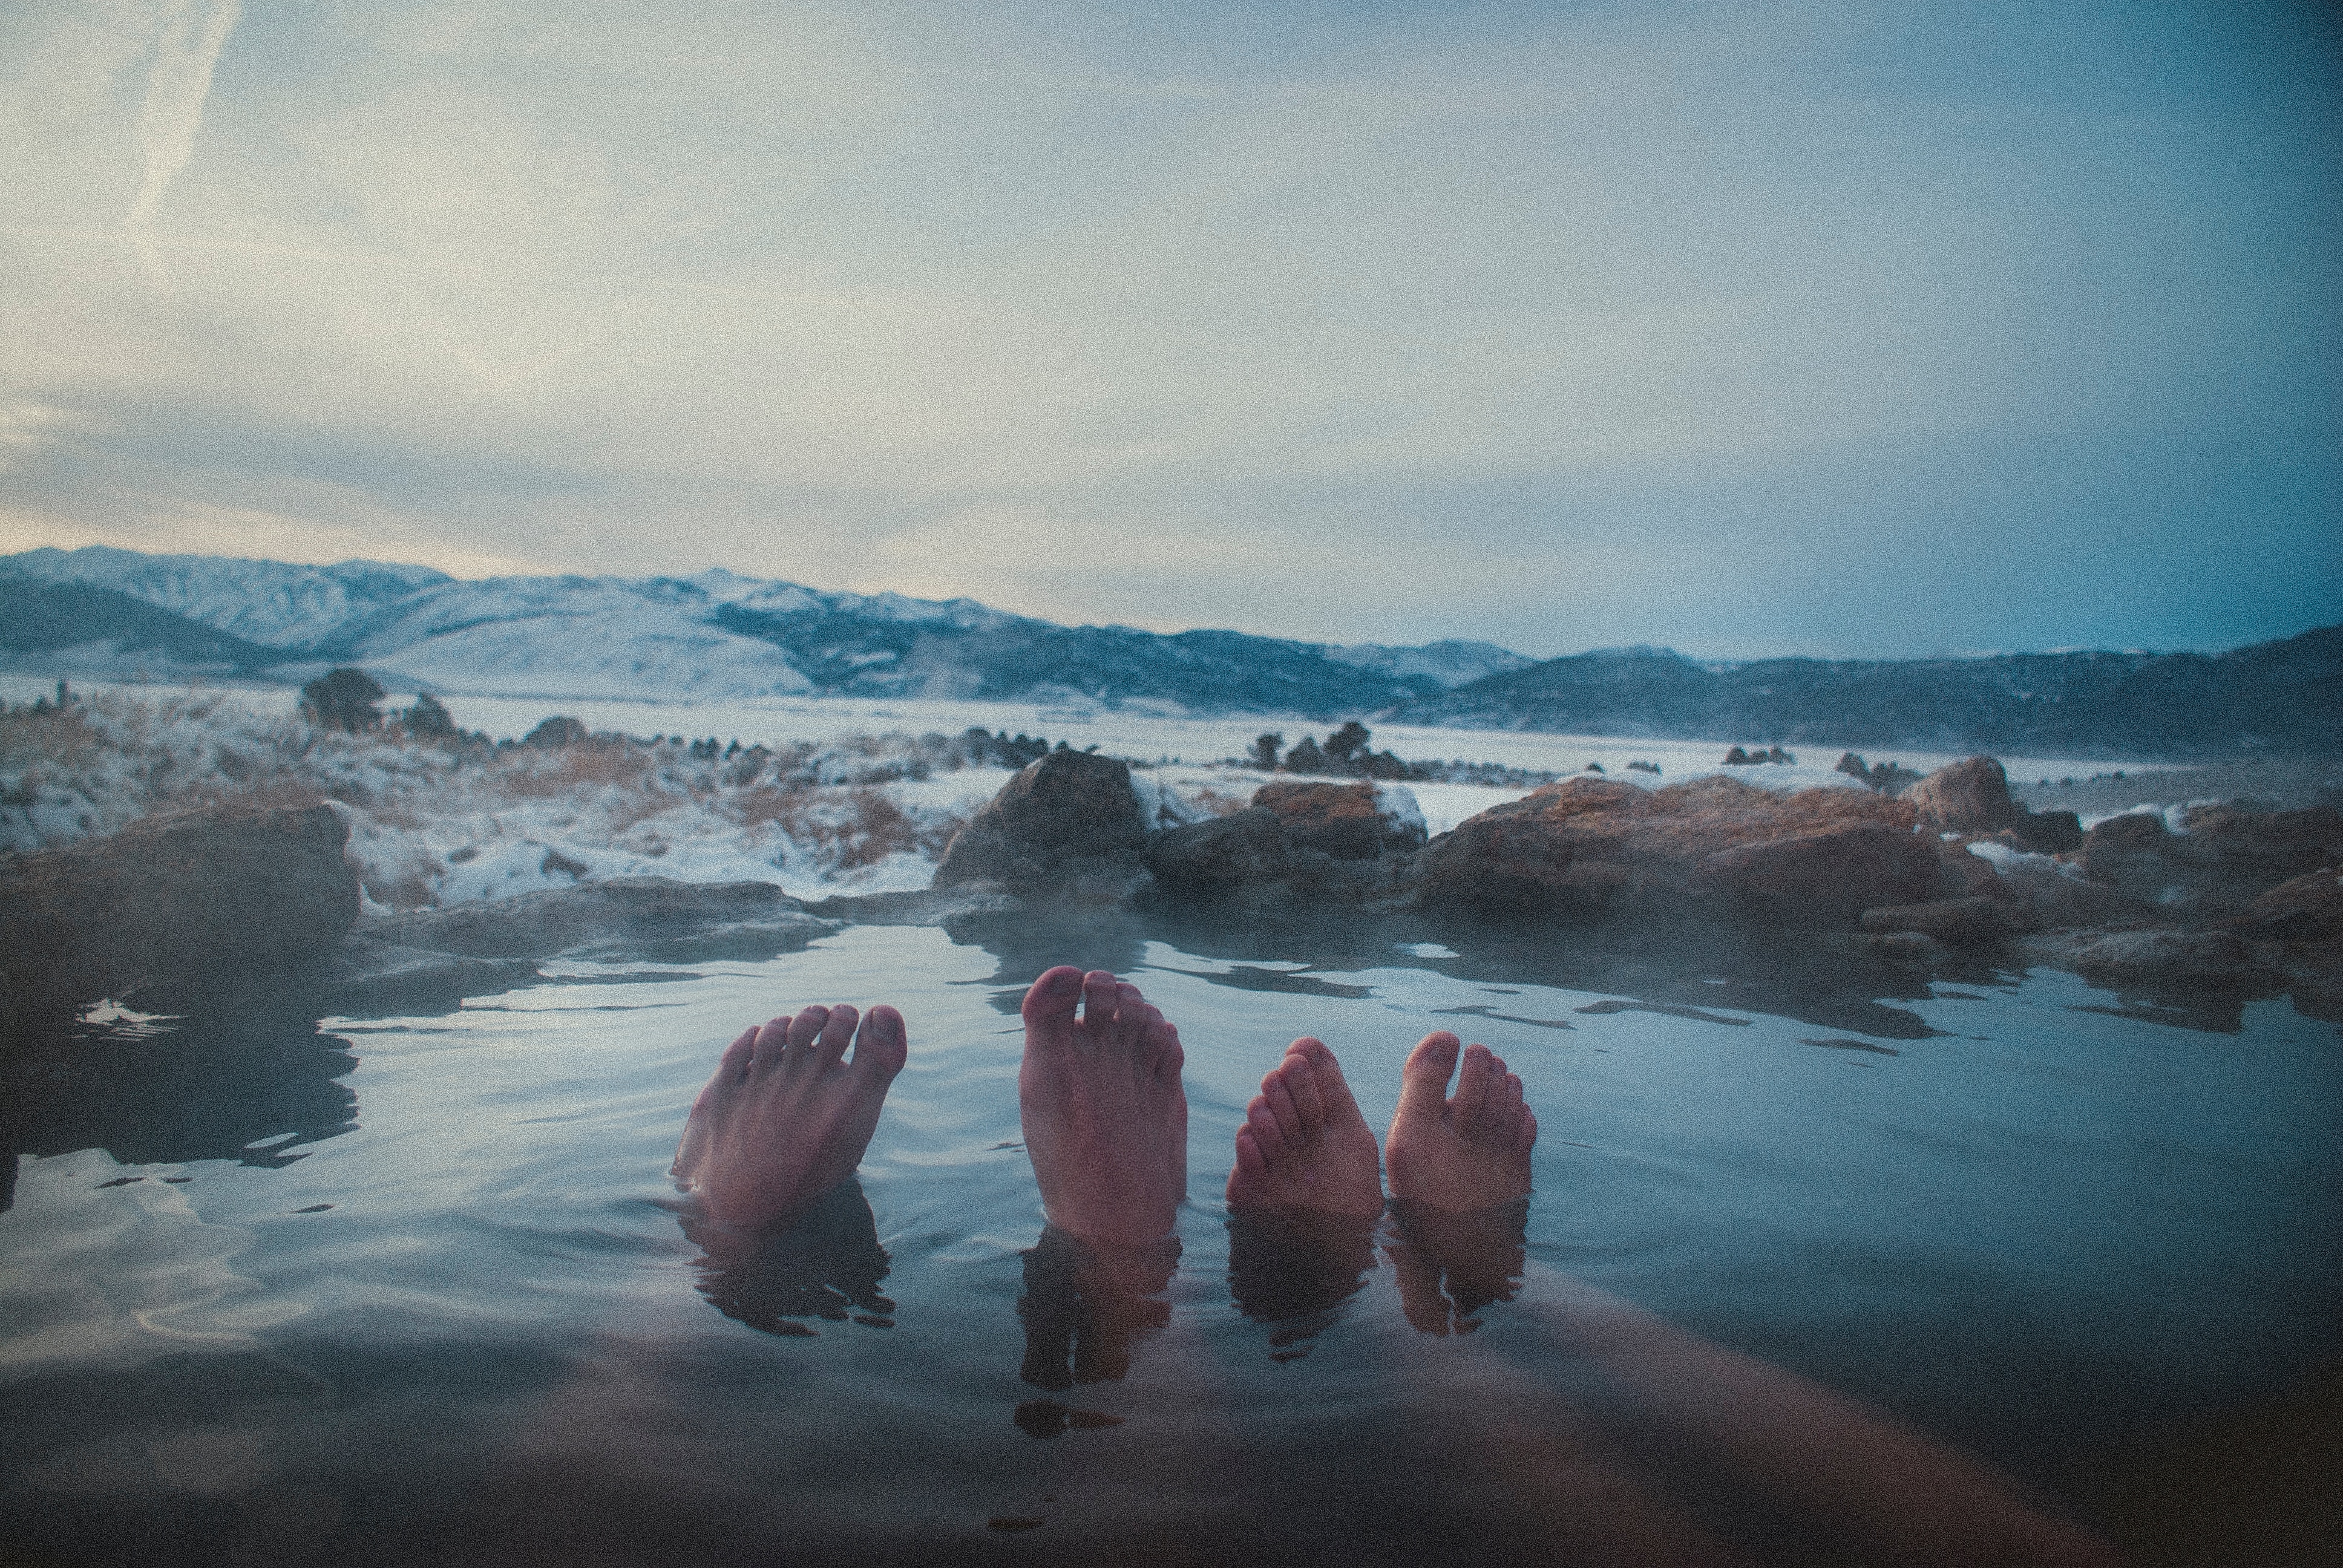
(1221, 856)
(2157, 957)
(1838, 871)
(365, 975)
(2052, 897)
(186, 898)
(1915, 948)
(2044, 833)
(1968, 875)
(1347, 821)
(1956, 922)
(1589, 845)
(2216, 869)
(1971, 797)
(1067, 825)
(2305, 910)
(928, 906)
(634, 917)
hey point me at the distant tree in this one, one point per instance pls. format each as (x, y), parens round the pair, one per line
(1346, 743)
(1265, 748)
(429, 719)
(342, 699)
(1306, 758)
(555, 733)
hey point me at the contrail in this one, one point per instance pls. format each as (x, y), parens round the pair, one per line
(176, 90)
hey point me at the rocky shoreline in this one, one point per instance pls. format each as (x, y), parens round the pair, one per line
(1952, 877)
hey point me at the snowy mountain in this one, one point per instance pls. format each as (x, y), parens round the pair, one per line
(2281, 697)
(304, 609)
(716, 634)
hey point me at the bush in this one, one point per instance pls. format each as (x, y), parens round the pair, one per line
(343, 699)
(429, 719)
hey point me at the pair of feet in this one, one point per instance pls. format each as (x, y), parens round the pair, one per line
(789, 1113)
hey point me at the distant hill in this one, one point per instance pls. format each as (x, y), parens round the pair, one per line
(713, 635)
(2274, 697)
(107, 627)
(718, 635)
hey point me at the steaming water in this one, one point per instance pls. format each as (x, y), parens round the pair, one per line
(405, 1290)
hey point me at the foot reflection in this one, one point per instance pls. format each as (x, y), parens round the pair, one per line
(1294, 1270)
(1451, 1265)
(827, 1265)
(1085, 1303)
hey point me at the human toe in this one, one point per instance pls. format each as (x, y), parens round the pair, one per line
(1050, 1000)
(883, 1044)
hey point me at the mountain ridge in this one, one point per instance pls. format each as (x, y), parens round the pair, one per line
(719, 633)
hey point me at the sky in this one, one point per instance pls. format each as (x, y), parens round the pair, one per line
(1850, 330)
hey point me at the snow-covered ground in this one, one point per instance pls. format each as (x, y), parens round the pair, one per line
(849, 798)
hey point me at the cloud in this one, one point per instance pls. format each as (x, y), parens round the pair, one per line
(1587, 323)
(186, 52)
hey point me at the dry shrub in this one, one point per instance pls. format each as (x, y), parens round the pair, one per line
(539, 774)
(62, 736)
(1217, 802)
(762, 805)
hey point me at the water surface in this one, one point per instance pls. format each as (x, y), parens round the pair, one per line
(415, 1288)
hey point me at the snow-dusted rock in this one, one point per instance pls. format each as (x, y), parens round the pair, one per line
(187, 900)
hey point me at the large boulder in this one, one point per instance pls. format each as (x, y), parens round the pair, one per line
(1955, 922)
(1348, 821)
(185, 900)
(1588, 846)
(1835, 873)
(1067, 824)
(1972, 797)
(1222, 857)
(2308, 909)
(2159, 957)
(2223, 860)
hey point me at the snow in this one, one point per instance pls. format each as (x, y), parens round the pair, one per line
(857, 795)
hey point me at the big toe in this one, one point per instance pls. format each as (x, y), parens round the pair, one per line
(1049, 1006)
(1423, 1080)
(883, 1044)
(1326, 1073)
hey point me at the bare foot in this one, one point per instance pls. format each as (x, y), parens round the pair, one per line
(1463, 1153)
(1106, 1121)
(787, 1117)
(1304, 1144)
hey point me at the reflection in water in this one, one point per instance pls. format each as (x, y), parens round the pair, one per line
(1084, 1304)
(1451, 1265)
(207, 1087)
(828, 1265)
(1295, 1272)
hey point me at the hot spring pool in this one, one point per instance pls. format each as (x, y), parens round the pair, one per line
(415, 1289)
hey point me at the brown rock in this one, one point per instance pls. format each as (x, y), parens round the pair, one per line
(2305, 910)
(1839, 871)
(1915, 947)
(2160, 956)
(1956, 922)
(1585, 845)
(1968, 875)
(2225, 860)
(1220, 855)
(191, 897)
(1971, 797)
(1068, 822)
(1344, 820)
